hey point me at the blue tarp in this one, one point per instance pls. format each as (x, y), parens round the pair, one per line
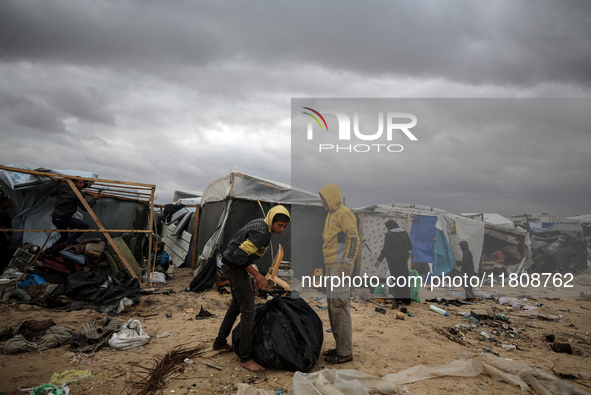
(422, 235)
(444, 259)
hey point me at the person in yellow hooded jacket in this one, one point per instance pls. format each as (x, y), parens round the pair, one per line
(248, 244)
(340, 249)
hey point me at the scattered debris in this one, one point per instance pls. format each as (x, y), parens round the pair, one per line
(151, 379)
(562, 347)
(203, 314)
(380, 310)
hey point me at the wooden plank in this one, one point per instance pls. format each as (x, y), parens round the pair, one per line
(63, 176)
(102, 229)
(151, 247)
(77, 230)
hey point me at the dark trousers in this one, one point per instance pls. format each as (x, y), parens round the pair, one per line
(469, 293)
(69, 223)
(242, 304)
(399, 268)
(5, 253)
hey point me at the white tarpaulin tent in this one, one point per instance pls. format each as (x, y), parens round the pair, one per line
(435, 233)
(243, 186)
(585, 219)
(491, 219)
(229, 202)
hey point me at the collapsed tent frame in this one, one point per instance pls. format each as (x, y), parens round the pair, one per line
(143, 193)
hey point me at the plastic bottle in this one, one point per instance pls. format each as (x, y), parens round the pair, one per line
(438, 310)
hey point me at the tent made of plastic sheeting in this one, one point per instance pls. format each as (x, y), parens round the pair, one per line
(435, 235)
(231, 201)
(122, 206)
(564, 227)
(29, 194)
(505, 248)
(243, 186)
(188, 198)
(558, 251)
(584, 219)
(491, 219)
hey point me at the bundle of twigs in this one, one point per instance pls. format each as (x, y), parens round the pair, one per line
(150, 379)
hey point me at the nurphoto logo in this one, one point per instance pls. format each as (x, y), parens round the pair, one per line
(397, 125)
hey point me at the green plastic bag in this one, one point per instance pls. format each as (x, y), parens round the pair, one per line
(50, 389)
(415, 285)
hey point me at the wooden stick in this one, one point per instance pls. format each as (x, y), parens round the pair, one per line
(55, 176)
(77, 230)
(102, 229)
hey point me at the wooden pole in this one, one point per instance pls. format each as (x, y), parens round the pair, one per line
(152, 227)
(102, 229)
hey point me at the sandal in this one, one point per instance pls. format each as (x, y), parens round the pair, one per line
(329, 353)
(338, 359)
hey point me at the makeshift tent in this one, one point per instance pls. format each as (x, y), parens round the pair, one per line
(435, 235)
(556, 251)
(124, 208)
(491, 219)
(506, 248)
(566, 227)
(584, 219)
(30, 196)
(231, 201)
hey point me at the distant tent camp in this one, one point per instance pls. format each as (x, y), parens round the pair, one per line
(231, 201)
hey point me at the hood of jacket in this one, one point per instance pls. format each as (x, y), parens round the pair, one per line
(273, 212)
(464, 245)
(332, 195)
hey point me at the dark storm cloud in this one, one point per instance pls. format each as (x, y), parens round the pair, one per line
(506, 42)
(24, 112)
(178, 93)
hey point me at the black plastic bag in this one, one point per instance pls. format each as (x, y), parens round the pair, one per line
(287, 335)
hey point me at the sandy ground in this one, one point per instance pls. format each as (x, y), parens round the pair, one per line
(383, 344)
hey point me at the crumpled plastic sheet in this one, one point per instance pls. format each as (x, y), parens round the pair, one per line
(354, 382)
(61, 379)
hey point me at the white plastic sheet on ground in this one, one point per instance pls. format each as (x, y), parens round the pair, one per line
(131, 335)
(353, 382)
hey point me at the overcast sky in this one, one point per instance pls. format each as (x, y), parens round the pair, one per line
(179, 93)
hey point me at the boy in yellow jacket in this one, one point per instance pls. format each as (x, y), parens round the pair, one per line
(340, 248)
